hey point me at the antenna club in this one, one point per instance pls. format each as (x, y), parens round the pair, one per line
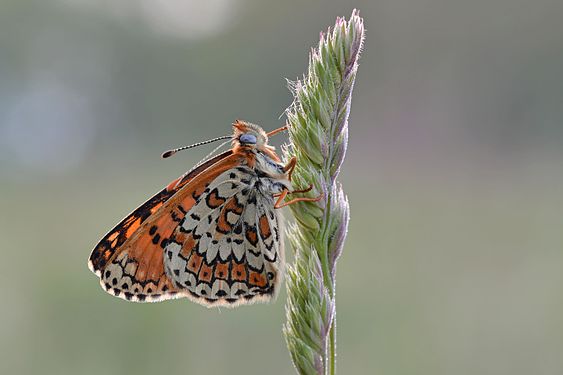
(168, 153)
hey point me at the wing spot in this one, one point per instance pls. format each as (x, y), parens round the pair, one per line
(264, 226)
(213, 199)
(251, 235)
(205, 273)
(221, 270)
(102, 263)
(156, 239)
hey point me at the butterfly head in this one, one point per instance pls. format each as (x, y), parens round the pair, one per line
(249, 136)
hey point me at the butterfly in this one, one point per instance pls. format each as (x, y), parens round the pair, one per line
(214, 235)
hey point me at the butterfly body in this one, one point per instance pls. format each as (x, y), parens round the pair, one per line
(214, 235)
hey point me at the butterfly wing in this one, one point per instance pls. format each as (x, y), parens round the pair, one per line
(129, 259)
(107, 247)
(227, 250)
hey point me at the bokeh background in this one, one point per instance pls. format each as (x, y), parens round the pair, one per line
(455, 176)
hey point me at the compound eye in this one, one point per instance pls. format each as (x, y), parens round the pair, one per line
(248, 139)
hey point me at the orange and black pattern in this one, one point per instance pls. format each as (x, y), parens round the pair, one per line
(228, 248)
(106, 248)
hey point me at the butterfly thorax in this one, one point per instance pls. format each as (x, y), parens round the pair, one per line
(271, 174)
(251, 142)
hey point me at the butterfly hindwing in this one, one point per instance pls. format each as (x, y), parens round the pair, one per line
(219, 251)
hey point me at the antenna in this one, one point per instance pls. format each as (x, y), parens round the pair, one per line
(169, 153)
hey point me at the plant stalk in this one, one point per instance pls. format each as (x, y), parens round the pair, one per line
(318, 133)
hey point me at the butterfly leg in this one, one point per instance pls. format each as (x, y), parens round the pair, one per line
(279, 203)
(296, 191)
(290, 167)
(276, 131)
(302, 190)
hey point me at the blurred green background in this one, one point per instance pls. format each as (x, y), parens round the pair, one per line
(454, 259)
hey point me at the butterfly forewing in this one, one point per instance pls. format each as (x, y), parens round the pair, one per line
(107, 247)
(134, 268)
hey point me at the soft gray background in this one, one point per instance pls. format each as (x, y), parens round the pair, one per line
(455, 177)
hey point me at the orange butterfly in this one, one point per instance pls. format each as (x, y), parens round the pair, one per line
(214, 235)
